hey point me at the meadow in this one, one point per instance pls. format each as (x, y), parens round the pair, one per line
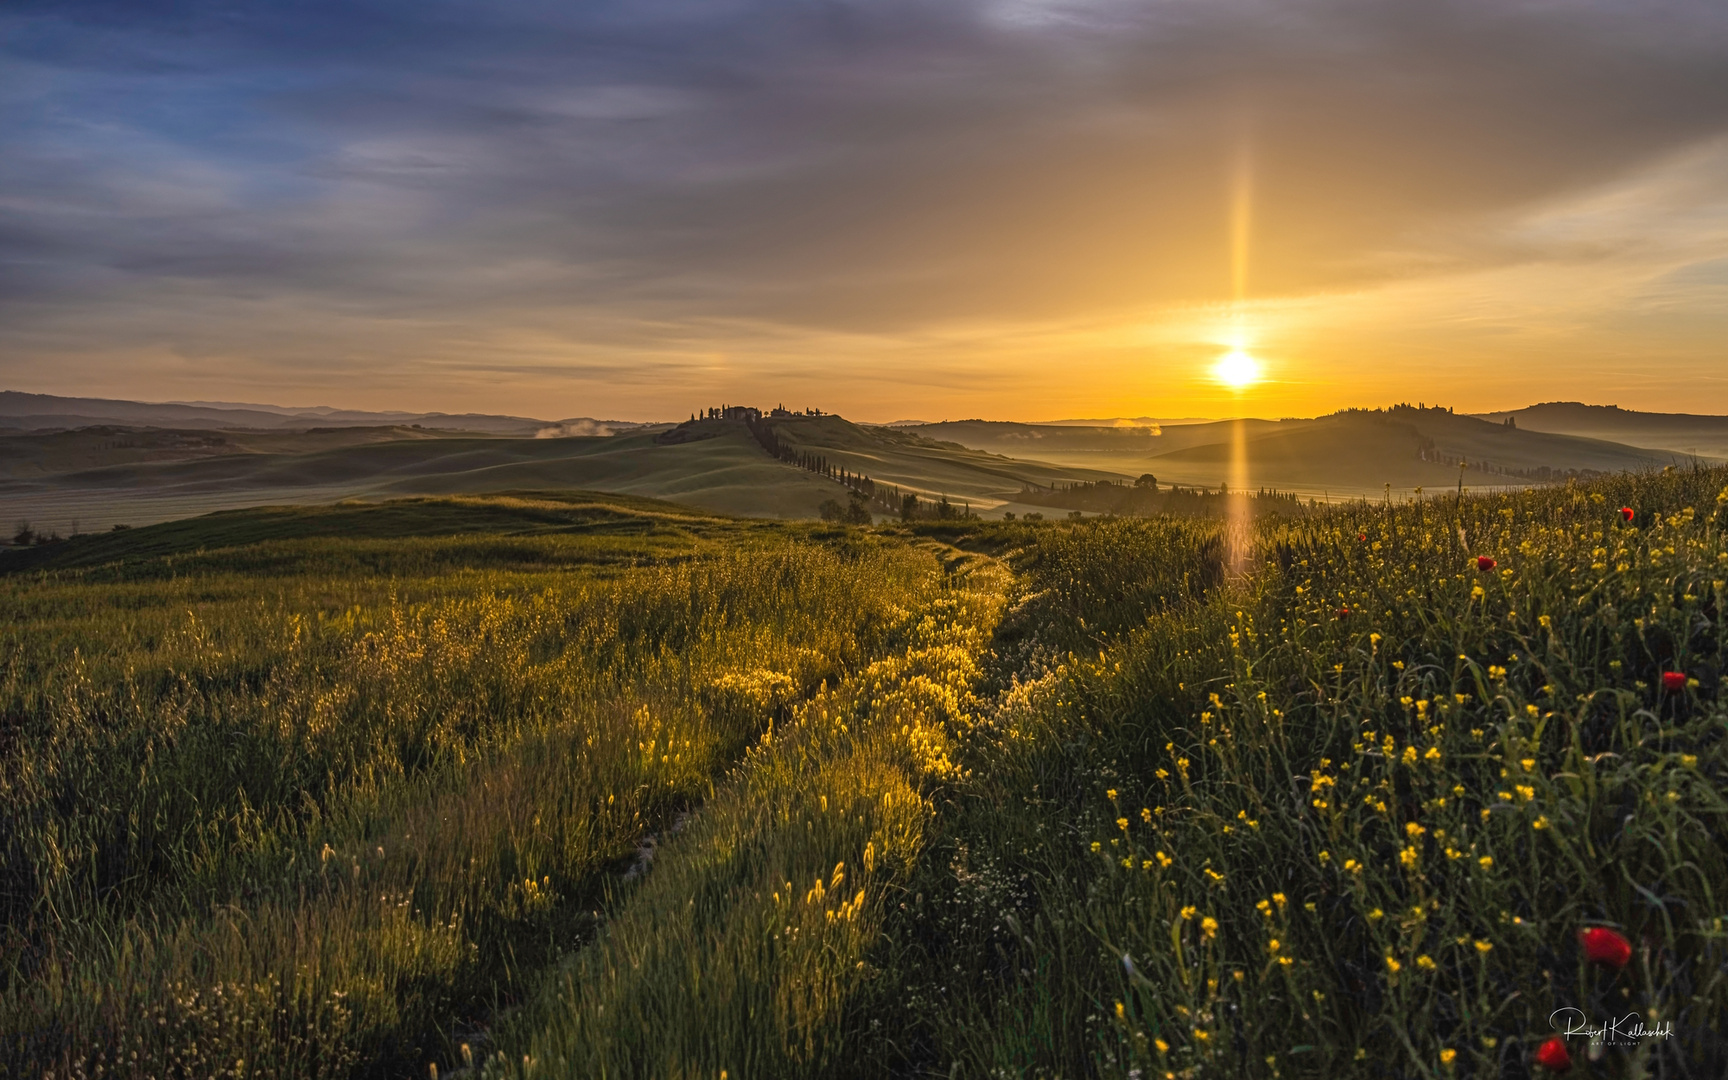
(548, 786)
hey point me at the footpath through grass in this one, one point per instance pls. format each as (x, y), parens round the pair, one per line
(316, 806)
(1075, 804)
(1349, 817)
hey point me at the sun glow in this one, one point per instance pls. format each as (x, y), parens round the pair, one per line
(1237, 370)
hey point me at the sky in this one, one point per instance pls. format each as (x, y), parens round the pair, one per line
(891, 209)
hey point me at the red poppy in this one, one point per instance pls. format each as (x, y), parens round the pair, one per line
(1673, 681)
(1552, 1055)
(1625, 513)
(1343, 613)
(1362, 537)
(1485, 563)
(1605, 946)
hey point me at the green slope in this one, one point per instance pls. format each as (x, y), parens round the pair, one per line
(524, 513)
(728, 473)
(930, 467)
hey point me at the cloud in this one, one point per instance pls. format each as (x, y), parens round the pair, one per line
(387, 193)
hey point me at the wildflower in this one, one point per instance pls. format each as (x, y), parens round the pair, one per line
(1673, 681)
(1552, 1055)
(1111, 794)
(1343, 613)
(1484, 563)
(1122, 823)
(1447, 1056)
(1606, 946)
(1540, 823)
(1376, 915)
(1164, 860)
(1265, 908)
(1146, 815)
(1188, 912)
(1279, 899)
(1209, 927)
(1484, 947)
(1413, 830)
(1425, 962)
(1410, 857)
(1096, 846)
(1393, 965)
(1625, 513)
(1362, 536)
(1163, 1047)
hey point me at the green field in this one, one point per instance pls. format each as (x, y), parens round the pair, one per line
(566, 784)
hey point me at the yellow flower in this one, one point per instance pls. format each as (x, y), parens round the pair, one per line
(1202, 1034)
(1146, 815)
(1209, 927)
(1273, 946)
(1096, 846)
(1413, 830)
(1164, 860)
(1528, 763)
(1393, 965)
(1426, 963)
(1410, 857)
(1484, 946)
(1163, 1047)
(1122, 823)
(1121, 1012)
(1188, 912)
(1376, 915)
(1447, 1056)
(1111, 794)
(1541, 822)
(1279, 899)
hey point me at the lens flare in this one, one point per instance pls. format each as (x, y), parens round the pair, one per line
(1237, 370)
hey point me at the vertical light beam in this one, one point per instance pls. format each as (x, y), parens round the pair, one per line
(1238, 509)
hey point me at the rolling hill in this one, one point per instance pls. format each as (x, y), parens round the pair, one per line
(48, 412)
(1681, 434)
(97, 477)
(1349, 453)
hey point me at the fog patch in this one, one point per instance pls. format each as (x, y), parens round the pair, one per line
(576, 429)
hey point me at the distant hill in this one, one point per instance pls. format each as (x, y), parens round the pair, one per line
(728, 473)
(1348, 453)
(1684, 434)
(914, 461)
(44, 412)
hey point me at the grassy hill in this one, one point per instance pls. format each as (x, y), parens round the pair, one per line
(727, 473)
(1680, 434)
(915, 461)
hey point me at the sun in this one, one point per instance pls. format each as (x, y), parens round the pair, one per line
(1237, 370)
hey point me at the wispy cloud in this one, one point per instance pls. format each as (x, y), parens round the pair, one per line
(429, 205)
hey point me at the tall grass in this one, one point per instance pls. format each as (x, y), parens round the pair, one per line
(1348, 817)
(305, 834)
(744, 951)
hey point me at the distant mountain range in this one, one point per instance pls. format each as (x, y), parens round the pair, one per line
(47, 412)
